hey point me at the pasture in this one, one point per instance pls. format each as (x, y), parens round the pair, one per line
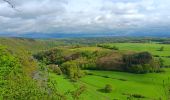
(126, 86)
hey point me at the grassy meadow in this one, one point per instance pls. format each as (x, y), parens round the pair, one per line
(125, 85)
(151, 47)
(152, 85)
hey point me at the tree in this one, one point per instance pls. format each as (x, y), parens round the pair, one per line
(10, 4)
(142, 62)
(161, 49)
(53, 56)
(137, 58)
(136, 69)
(14, 83)
(7, 1)
(161, 62)
(72, 70)
(7, 62)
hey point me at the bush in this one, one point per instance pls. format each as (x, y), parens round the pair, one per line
(146, 68)
(53, 56)
(7, 63)
(108, 88)
(156, 56)
(112, 47)
(161, 62)
(55, 69)
(76, 94)
(72, 70)
(161, 49)
(138, 96)
(15, 84)
(136, 69)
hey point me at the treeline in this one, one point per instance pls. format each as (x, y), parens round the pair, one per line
(141, 63)
(111, 47)
(35, 45)
(72, 63)
(101, 40)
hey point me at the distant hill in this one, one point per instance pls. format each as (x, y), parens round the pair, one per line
(129, 33)
(32, 45)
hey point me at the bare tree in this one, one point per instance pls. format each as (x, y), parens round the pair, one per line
(9, 2)
(11, 5)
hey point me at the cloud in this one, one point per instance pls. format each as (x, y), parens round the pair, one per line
(81, 16)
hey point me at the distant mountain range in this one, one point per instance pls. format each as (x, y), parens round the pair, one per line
(38, 35)
(128, 33)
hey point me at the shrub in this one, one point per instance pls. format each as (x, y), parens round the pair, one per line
(7, 62)
(76, 94)
(146, 68)
(72, 70)
(55, 69)
(112, 47)
(156, 56)
(53, 56)
(161, 62)
(138, 96)
(15, 84)
(108, 88)
(161, 49)
(136, 69)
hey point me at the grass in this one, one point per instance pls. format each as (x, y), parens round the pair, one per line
(64, 85)
(148, 85)
(151, 86)
(151, 47)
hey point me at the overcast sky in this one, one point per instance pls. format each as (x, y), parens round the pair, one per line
(82, 16)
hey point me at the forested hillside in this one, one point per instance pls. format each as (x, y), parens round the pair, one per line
(31, 45)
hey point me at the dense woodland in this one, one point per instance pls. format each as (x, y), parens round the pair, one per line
(25, 64)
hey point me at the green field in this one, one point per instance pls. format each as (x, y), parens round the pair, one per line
(152, 85)
(151, 47)
(125, 85)
(148, 85)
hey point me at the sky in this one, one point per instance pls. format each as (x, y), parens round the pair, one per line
(83, 16)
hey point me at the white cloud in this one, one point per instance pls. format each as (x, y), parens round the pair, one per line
(81, 16)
